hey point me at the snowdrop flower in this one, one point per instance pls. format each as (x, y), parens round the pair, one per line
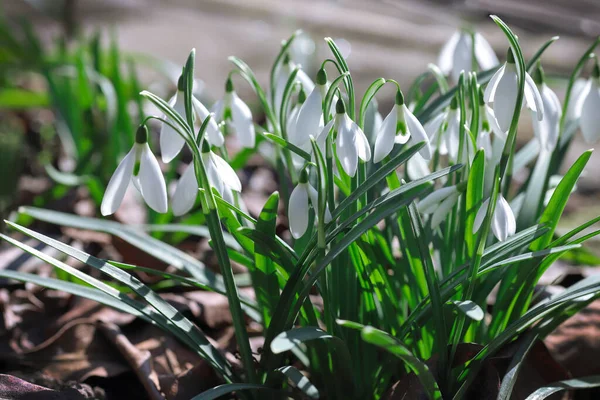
(291, 125)
(546, 130)
(232, 108)
(450, 140)
(141, 167)
(298, 206)
(439, 203)
(282, 76)
(310, 117)
(503, 220)
(171, 142)
(457, 54)
(501, 93)
(590, 107)
(220, 176)
(351, 142)
(579, 88)
(399, 126)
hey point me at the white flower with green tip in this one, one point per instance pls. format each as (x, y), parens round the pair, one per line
(233, 109)
(220, 176)
(351, 142)
(400, 126)
(546, 130)
(298, 208)
(140, 167)
(457, 54)
(171, 141)
(501, 94)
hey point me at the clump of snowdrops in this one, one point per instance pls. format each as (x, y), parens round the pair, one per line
(401, 225)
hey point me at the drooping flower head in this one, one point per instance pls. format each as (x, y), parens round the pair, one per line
(400, 126)
(503, 220)
(457, 54)
(220, 176)
(589, 106)
(351, 142)
(439, 203)
(298, 208)
(233, 109)
(310, 117)
(546, 130)
(171, 142)
(501, 94)
(140, 167)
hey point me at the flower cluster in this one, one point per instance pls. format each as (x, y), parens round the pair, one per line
(319, 110)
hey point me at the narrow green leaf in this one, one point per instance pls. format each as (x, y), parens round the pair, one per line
(558, 201)
(544, 392)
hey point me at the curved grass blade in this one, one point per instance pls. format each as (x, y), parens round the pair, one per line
(168, 311)
(588, 382)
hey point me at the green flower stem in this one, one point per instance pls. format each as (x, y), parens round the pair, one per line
(216, 234)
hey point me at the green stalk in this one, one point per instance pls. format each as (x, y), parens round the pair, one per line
(209, 210)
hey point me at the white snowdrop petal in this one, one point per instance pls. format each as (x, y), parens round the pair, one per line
(480, 216)
(417, 133)
(546, 130)
(503, 223)
(453, 134)
(152, 182)
(463, 59)
(218, 109)
(212, 172)
(213, 133)
(361, 143)
(117, 186)
(432, 128)
(314, 200)
(491, 117)
(417, 167)
(533, 99)
(298, 211)
(490, 90)
(186, 191)
(579, 92)
(432, 200)
(590, 115)
(307, 83)
(171, 142)
(242, 122)
(384, 143)
(346, 149)
(443, 209)
(322, 137)
(484, 142)
(226, 173)
(485, 55)
(309, 119)
(445, 59)
(505, 98)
